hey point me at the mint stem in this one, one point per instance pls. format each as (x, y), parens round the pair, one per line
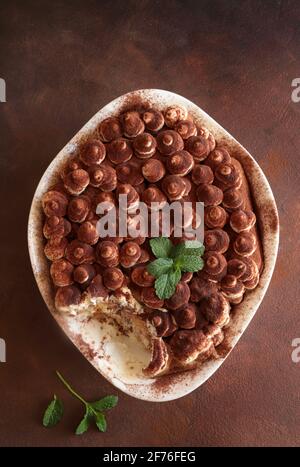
(72, 391)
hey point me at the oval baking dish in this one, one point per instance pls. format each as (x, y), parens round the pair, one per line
(102, 346)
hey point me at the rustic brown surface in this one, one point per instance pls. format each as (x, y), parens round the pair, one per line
(62, 62)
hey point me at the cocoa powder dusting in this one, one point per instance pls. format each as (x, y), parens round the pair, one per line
(134, 102)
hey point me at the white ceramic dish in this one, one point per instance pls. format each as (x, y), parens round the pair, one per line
(120, 359)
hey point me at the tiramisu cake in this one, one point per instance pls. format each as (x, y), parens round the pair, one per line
(153, 156)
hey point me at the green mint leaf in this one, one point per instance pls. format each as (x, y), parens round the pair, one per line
(190, 263)
(161, 247)
(85, 422)
(175, 276)
(160, 266)
(193, 244)
(190, 247)
(165, 285)
(192, 250)
(106, 403)
(101, 421)
(53, 413)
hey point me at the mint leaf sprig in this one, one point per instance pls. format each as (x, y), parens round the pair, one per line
(53, 413)
(94, 411)
(172, 261)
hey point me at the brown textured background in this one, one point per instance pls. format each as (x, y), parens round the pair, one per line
(62, 61)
